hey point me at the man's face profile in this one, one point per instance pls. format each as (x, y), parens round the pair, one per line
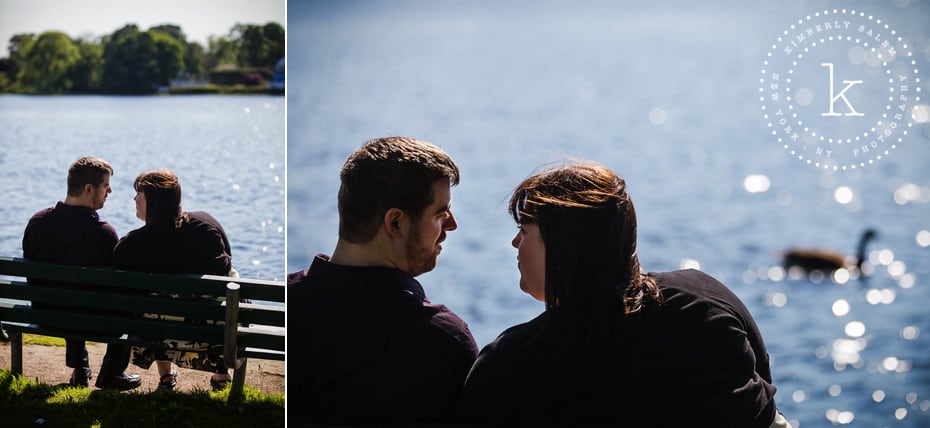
(424, 242)
(99, 193)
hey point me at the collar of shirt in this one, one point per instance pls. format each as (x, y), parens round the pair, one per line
(78, 209)
(382, 276)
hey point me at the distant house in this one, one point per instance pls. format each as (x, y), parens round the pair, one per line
(184, 83)
(183, 80)
(277, 80)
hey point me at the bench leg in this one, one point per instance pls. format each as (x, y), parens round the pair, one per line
(16, 350)
(235, 392)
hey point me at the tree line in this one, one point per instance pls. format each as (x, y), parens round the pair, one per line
(131, 61)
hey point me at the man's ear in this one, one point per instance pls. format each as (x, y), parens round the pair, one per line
(395, 223)
(88, 189)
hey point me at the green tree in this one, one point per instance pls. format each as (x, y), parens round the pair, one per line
(86, 73)
(124, 66)
(274, 39)
(194, 59)
(172, 30)
(19, 46)
(259, 46)
(47, 64)
(252, 48)
(193, 53)
(4, 81)
(167, 57)
(220, 51)
(138, 62)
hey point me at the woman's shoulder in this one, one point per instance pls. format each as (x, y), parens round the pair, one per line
(202, 221)
(202, 217)
(133, 236)
(520, 335)
(683, 275)
(690, 281)
(131, 247)
(694, 291)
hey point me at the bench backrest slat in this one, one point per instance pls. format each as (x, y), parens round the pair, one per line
(77, 299)
(261, 339)
(252, 313)
(103, 324)
(212, 285)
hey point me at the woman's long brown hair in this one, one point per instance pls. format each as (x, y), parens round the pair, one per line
(162, 199)
(588, 225)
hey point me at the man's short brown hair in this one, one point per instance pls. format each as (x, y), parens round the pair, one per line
(86, 170)
(391, 172)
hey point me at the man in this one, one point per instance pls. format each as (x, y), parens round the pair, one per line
(72, 233)
(371, 347)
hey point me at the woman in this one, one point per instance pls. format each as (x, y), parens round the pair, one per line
(614, 346)
(173, 241)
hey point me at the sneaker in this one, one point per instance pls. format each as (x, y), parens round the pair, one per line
(218, 382)
(81, 376)
(168, 381)
(121, 382)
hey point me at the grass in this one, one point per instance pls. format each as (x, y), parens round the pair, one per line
(27, 403)
(34, 339)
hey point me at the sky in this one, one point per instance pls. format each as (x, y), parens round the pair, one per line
(198, 19)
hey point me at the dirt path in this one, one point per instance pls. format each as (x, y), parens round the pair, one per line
(47, 365)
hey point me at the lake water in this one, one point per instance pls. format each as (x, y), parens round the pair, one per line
(228, 152)
(667, 94)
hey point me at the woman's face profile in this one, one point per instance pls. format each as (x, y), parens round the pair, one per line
(140, 205)
(531, 260)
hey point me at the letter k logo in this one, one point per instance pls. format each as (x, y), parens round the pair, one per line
(842, 94)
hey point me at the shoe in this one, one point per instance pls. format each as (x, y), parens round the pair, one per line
(121, 382)
(81, 376)
(168, 381)
(219, 384)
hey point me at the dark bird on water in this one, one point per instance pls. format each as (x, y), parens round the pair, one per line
(827, 260)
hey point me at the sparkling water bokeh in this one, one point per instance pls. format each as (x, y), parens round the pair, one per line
(667, 94)
(228, 152)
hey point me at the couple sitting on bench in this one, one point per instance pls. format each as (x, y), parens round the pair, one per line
(171, 241)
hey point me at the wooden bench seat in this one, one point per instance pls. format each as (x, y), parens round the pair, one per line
(243, 317)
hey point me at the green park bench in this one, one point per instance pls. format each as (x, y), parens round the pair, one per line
(245, 316)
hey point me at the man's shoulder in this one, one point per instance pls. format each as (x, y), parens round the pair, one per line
(448, 324)
(63, 216)
(42, 217)
(387, 298)
(107, 231)
(40, 214)
(295, 279)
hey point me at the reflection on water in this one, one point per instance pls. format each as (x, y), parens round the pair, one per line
(227, 150)
(666, 93)
(859, 330)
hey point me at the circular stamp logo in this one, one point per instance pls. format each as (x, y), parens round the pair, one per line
(839, 89)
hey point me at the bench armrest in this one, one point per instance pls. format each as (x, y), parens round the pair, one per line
(230, 345)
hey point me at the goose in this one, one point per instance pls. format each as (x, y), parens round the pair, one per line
(827, 260)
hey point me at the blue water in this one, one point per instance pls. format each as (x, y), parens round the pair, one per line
(228, 152)
(666, 93)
